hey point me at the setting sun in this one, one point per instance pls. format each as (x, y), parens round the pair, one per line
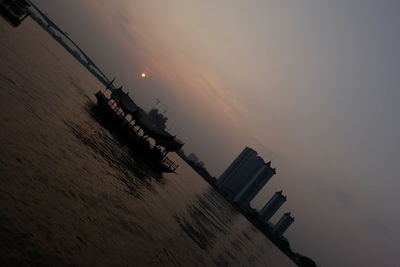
(143, 75)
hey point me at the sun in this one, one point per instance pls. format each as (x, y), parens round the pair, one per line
(143, 75)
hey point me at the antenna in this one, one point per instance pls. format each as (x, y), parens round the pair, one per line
(157, 102)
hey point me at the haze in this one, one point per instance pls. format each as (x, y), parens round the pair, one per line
(312, 85)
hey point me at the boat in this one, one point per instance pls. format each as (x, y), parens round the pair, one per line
(137, 129)
(15, 11)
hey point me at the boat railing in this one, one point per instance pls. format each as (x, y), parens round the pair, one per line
(128, 129)
(169, 164)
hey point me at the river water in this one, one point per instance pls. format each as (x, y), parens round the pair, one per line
(72, 195)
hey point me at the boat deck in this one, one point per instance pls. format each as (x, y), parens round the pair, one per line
(130, 135)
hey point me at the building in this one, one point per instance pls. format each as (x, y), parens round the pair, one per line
(263, 175)
(283, 224)
(245, 155)
(242, 177)
(272, 206)
(240, 172)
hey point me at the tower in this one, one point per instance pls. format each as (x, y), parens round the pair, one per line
(240, 172)
(242, 176)
(246, 154)
(272, 206)
(258, 181)
(283, 224)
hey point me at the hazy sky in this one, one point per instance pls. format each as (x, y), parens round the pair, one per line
(311, 85)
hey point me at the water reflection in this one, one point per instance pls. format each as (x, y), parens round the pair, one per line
(226, 236)
(126, 165)
(205, 219)
(67, 182)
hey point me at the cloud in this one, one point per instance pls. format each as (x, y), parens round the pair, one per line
(165, 53)
(222, 98)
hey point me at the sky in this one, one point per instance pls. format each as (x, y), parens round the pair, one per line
(311, 85)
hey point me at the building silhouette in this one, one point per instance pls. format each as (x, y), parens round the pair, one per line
(283, 224)
(263, 175)
(245, 177)
(246, 155)
(272, 206)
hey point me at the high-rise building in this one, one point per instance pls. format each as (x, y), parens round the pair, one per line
(272, 206)
(245, 155)
(242, 176)
(258, 181)
(283, 224)
(240, 172)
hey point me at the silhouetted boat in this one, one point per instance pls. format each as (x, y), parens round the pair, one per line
(14, 11)
(137, 129)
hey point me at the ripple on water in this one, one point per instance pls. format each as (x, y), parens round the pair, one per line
(71, 194)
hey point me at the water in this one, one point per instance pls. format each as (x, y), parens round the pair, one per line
(71, 194)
